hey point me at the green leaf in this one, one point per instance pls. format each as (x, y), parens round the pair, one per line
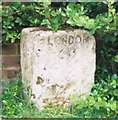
(115, 92)
(4, 102)
(91, 101)
(115, 58)
(71, 22)
(46, 3)
(112, 105)
(53, 13)
(45, 22)
(18, 20)
(101, 102)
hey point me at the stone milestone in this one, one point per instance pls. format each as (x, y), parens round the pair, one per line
(56, 65)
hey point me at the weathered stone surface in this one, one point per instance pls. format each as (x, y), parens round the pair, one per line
(57, 64)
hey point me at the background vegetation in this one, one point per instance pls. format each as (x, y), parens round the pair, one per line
(101, 19)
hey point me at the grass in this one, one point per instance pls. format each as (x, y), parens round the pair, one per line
(100, 104)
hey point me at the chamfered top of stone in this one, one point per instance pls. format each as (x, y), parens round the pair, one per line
(36, 29)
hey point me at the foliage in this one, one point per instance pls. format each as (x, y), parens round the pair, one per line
(77, 14)
(16, 17)
(106, 54)
(53, 18)
(101, 103)
(73, 14)
(105, 22)
(13, 100)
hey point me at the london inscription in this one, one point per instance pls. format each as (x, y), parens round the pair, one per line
(67, 43)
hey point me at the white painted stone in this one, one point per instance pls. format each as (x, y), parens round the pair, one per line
(57, 64)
